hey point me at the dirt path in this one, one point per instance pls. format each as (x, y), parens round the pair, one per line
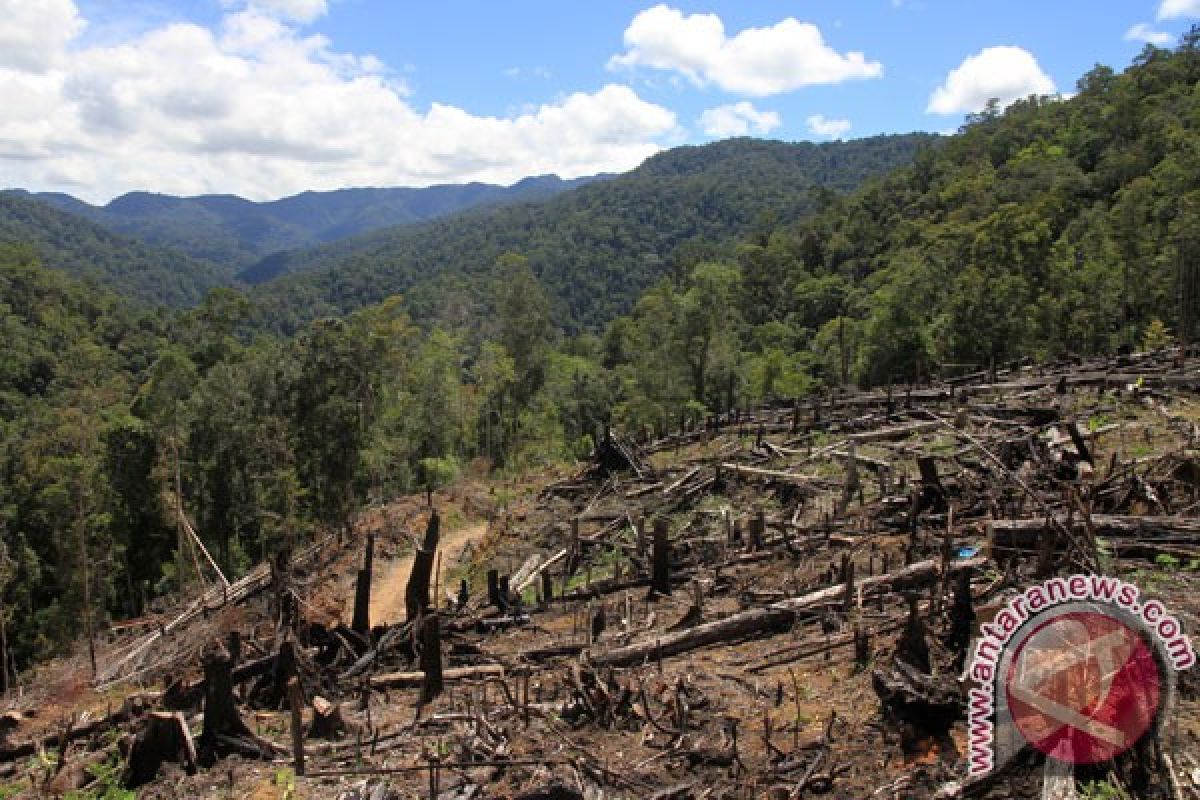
(387, 593)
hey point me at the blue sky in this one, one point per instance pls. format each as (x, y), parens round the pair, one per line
(459, 51)
(269, 97)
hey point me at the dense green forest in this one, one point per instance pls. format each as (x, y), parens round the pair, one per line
(1055, 227)
(237, 233)
(142, 272)
(596, 248)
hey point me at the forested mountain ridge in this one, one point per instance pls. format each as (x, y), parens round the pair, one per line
(236, 233)
(595, 248)
(1054, 228)
(141, 272)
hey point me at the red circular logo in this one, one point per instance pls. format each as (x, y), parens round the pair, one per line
(1083, 687)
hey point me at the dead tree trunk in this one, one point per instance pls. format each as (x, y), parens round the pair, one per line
(431, 657)
(221, 718)
(493, 587)
(661, 575)
(416, 596)
(361, 623)
(758, 530)
(296, 701)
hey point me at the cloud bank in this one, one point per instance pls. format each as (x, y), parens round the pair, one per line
(259, 108)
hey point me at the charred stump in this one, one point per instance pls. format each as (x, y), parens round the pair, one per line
(661, 567)
(416, 595)
(361, 623)
(165, 738)
(223, 725)
(430, 634)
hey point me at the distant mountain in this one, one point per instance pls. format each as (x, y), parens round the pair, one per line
(596, 248)
(237, 233)
(133, 269)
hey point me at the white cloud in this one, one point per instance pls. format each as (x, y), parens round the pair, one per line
(1172, 9)
(294, 10)
(258, 109)
(32, 34)
(755, 62)
(1004, 73)
(819, 125)
(1143, 32)
(738, 119)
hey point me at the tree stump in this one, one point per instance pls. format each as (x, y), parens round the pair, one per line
(431, 656)
(913, 648)
(493, 588)
(661, 568)
(165, 738)
(221, 718)
(327, 721)
(361, 623)
(416, 595)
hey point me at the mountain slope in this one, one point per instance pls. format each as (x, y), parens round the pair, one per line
(1054, 229)
(595, 248)
(236, 233)
(131, 268)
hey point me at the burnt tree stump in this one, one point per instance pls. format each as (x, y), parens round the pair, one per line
(361, 623)
(222, 721)
(660, 582)
(431, 656)
(165, 738)
(416, 595)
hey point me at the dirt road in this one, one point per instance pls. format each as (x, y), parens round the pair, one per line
(387, 593)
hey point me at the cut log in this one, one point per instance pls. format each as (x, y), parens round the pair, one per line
(773, 617)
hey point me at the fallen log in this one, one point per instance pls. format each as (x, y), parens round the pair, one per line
(895, 432)
(133, 707)
(416, 678)
(1024, 535)
(772, 617)
(802, 481)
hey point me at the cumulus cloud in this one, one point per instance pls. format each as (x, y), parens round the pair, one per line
(738, 119)
(820, 125)
(1005, 73)
(33, 34)
(257, 108)
(294, 10)
(1172, 9)
(1142, 32)
(755, 62)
